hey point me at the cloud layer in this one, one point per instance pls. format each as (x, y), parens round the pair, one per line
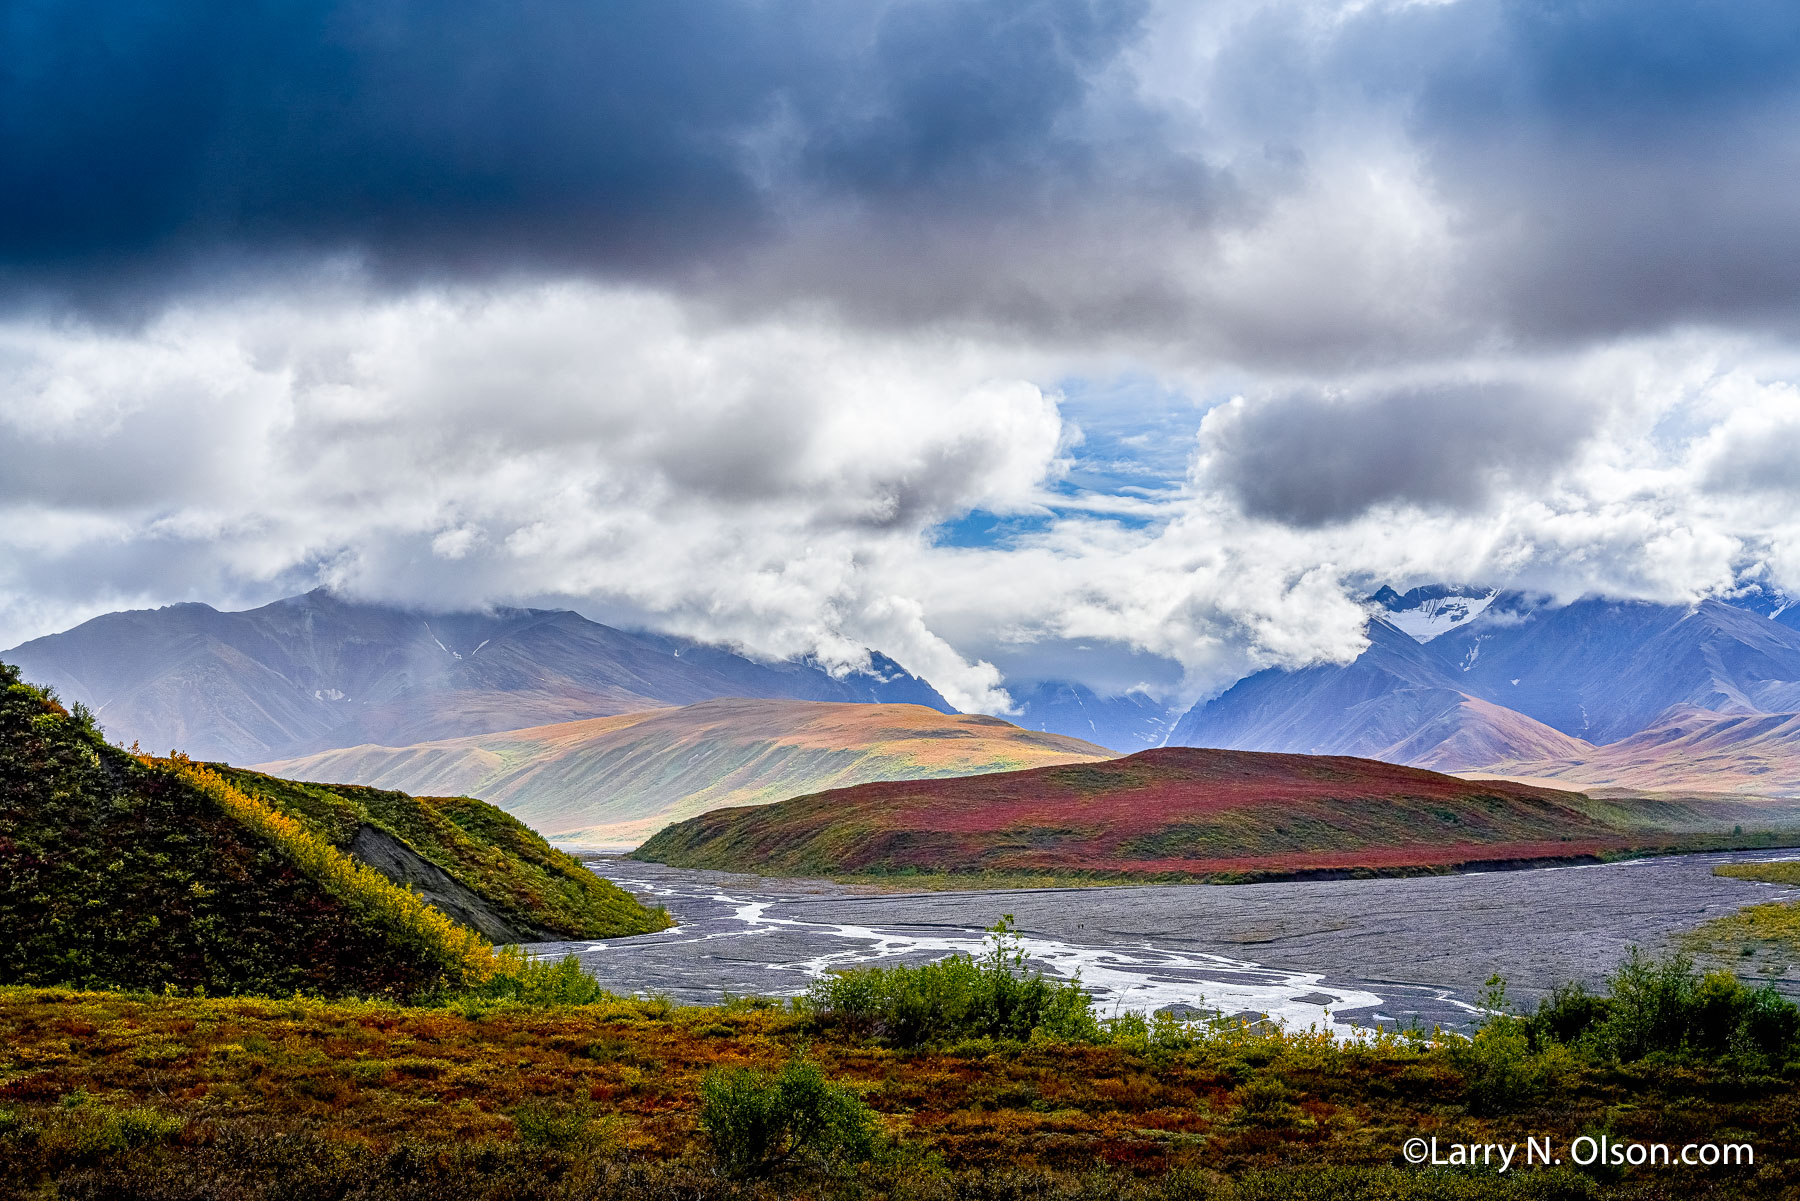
(718, 317)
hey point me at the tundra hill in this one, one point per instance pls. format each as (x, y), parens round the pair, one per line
(128, 872)
(616, 780)
(1168, 814)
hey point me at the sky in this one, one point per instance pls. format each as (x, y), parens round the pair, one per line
(1133, 343)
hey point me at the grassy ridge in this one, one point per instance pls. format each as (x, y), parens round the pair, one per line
(1170, 814)
(461, 958)
(118, 871)
(492, 853)
(123, 871)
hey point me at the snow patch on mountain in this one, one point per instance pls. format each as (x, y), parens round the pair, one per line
(1425, 613)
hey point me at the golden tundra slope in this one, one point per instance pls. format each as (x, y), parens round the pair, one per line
(614, 781)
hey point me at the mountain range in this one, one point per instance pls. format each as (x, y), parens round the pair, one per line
(613, 780)
(316, 672)
(604, 735)
(1458, 680)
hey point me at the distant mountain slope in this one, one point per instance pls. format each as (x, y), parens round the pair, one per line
(615, 780)
(314, 672)
(117, 871)
(1132, 722)
(1395, 702)
(1687, 749)
(1515, 681)
(1603, 670)
(1161, 814)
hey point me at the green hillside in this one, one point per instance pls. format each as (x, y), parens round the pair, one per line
(126, 872)
(541, 892)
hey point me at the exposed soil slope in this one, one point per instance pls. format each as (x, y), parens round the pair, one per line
(1170, 813)
(619, 779)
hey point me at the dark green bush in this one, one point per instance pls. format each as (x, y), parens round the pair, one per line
(1502, 1068)
(1665, 1007)
(958, 997)
(576, 1128)
(758, 1123)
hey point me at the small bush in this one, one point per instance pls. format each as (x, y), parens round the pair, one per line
(1501, 1066)
(956, 998)
(1569, 1012)
(573, 1129)
(758, 1124)
(518, 977)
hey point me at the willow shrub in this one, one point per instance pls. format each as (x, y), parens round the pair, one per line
(1665, 1007)
(962, 996)
(759, 1123)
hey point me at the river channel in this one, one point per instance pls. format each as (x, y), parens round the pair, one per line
(1327, 953)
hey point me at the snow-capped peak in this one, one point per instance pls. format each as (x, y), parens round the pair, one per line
(1424, 613)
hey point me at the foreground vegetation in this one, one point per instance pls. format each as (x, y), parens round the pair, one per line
(971, 1078)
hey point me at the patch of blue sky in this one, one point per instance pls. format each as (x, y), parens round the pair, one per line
(1130, 460)
(1137, 434)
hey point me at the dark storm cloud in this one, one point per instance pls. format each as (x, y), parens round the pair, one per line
(1618, 165)
(1077, 170)
(1312, 458)
(539, 134)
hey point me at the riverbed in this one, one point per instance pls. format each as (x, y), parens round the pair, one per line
(1336, 953)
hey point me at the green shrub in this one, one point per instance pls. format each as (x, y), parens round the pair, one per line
(958, 997)
(569, 1128)
(528, 981)
(1568, 1013)
(1502, 1068)
(1664, 1007)
(758, 1123)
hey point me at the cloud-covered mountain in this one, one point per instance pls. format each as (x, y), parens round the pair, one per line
(1518, 681)
(718, 319)
(314, 672)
